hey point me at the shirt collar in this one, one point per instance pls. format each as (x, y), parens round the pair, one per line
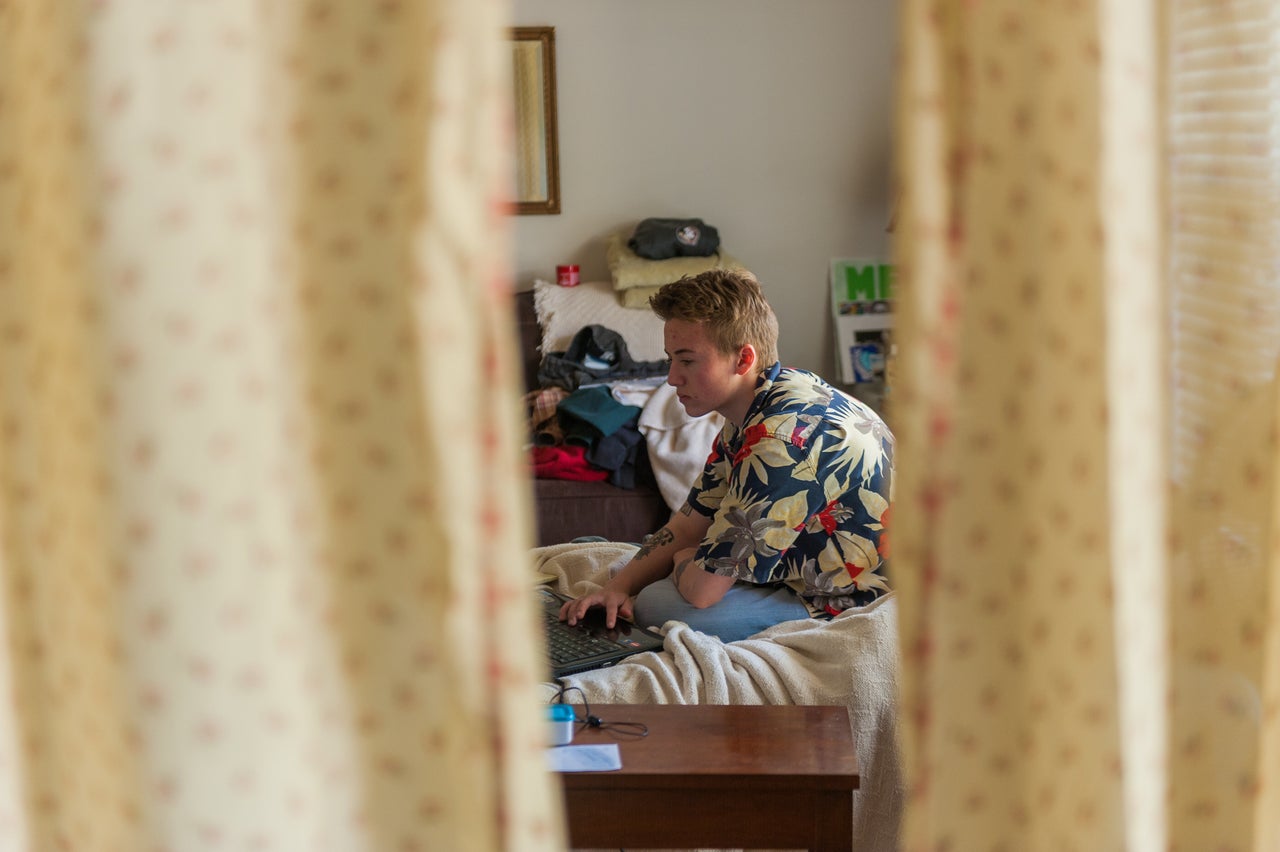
(763, 382)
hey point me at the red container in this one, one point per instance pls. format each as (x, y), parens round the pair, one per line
(567, 276)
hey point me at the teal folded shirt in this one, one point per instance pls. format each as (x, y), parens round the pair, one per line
(595, 407)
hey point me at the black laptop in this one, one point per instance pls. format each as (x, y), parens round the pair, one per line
(589, 644)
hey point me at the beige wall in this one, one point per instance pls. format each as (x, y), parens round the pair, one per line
(769, 119)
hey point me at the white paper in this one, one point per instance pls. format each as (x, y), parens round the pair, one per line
(584, 758)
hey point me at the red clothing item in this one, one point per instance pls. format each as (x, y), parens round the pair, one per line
(565, 461)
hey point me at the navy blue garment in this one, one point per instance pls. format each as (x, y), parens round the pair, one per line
(621, 453)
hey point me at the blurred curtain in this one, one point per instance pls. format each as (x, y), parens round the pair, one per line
(1085, 407)
(261, 492)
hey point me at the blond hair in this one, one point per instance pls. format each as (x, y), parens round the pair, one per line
(729, 304)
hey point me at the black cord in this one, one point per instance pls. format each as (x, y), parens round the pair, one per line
(626, 729)
(589, 720)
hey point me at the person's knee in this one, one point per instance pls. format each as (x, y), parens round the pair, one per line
(655, 605)
(662, 602)
(744, 612)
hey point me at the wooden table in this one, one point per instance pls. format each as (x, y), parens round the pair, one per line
(740, 776)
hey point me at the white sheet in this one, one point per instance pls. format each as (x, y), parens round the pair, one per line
(678, 444)
(850, 660)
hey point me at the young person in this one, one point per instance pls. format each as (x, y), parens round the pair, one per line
(787, 519)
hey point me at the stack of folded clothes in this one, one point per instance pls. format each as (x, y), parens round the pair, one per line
(660, 251)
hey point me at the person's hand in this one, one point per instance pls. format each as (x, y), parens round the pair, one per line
(613, 602)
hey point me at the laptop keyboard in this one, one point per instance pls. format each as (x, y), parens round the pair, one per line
(567, 645)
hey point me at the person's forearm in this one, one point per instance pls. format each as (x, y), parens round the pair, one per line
(697, 586)
(651, 563)
(653, 560)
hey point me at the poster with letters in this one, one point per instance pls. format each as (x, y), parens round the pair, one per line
(862, 310)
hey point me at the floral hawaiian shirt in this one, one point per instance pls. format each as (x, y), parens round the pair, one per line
(800, 494)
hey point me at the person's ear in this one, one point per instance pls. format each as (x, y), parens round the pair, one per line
(746, 359)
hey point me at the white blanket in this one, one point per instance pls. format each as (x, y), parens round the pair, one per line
(678, 444)
(851, 660)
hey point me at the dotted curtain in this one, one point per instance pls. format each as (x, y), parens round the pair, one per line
(1090, 610)
(260, 466)
(1031, 516)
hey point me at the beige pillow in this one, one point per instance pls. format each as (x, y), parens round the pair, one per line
(631, 270)
(563, 311)
(637, 297)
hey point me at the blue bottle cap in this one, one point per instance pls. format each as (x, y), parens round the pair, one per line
(559, 713)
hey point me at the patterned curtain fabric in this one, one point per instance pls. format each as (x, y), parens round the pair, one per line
(1224, 277)
(261, 492)
(1091, 635)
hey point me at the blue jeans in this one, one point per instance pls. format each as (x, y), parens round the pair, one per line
(745, 609)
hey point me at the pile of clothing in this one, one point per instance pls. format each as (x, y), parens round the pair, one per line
(582, 428)
(602, 416)
(588, 435)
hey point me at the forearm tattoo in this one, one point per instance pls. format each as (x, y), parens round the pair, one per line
(652, 542)
(680, 569)
(686, 509)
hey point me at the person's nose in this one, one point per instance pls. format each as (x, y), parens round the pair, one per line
(672, 378)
